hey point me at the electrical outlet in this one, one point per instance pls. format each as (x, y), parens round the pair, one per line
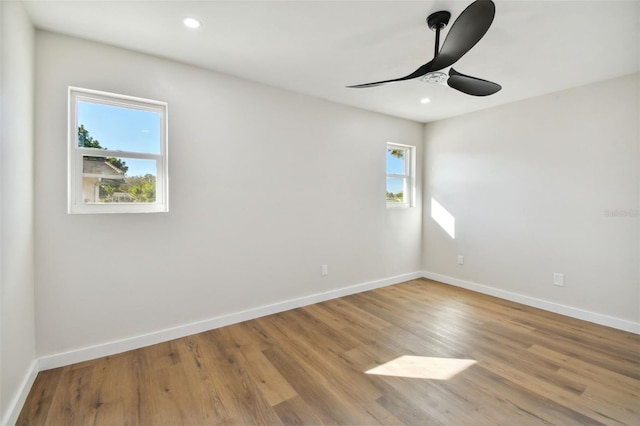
(324, 270)
(558, 279)
(460, 260)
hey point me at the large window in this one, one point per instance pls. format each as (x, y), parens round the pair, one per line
(400, 175)
(117, 153)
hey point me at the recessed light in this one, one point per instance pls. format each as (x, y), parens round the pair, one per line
(425, 100)
(192, 23)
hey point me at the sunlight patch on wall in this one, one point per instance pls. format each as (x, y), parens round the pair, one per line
(422, 367)
(443, 218)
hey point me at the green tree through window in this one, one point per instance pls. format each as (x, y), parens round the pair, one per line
(87, 141)
(132, 188)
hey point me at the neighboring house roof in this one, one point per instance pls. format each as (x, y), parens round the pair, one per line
(100, 169)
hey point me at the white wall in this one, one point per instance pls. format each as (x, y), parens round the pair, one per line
(545, 185)
(17, 340)
(266, 186)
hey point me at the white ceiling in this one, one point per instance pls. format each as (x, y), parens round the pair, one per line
(319, 47)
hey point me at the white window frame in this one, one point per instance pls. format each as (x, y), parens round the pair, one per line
(409, 175)
(76, 203)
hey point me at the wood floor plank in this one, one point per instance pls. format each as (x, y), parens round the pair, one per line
(295, 411)
(42, 394)
(249, 406)
(323, 402)
(606, 412)
(589, 372)
(312, 365)
(354, 315)
(324, 365)
(200, 375)
(115, 382)
(491, 392)
(273, 386)
(74, 390)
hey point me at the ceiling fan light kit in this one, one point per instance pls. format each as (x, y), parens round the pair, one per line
(435, 77)
(465, 32)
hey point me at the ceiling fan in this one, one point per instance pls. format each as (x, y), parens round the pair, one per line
(465, 32)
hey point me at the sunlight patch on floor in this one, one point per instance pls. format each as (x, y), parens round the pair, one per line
(422, 367)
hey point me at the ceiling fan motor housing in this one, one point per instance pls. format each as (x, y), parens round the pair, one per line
(438, 20)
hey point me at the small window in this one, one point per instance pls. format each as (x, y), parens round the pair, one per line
(117, 153)
(400, 175)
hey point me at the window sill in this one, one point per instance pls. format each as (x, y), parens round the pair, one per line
(117, 208)
(399, 206)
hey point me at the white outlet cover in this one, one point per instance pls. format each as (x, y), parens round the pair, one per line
(558, 279)
(324, 270)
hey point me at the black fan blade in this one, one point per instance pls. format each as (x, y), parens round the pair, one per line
(417, 73)
(466, 31)
(471, 85)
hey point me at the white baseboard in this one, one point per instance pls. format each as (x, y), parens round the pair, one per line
(15, 406)
(114, 347)
(620, 324)
(118, 346)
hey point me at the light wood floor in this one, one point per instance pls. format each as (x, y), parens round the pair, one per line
(308, 366)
